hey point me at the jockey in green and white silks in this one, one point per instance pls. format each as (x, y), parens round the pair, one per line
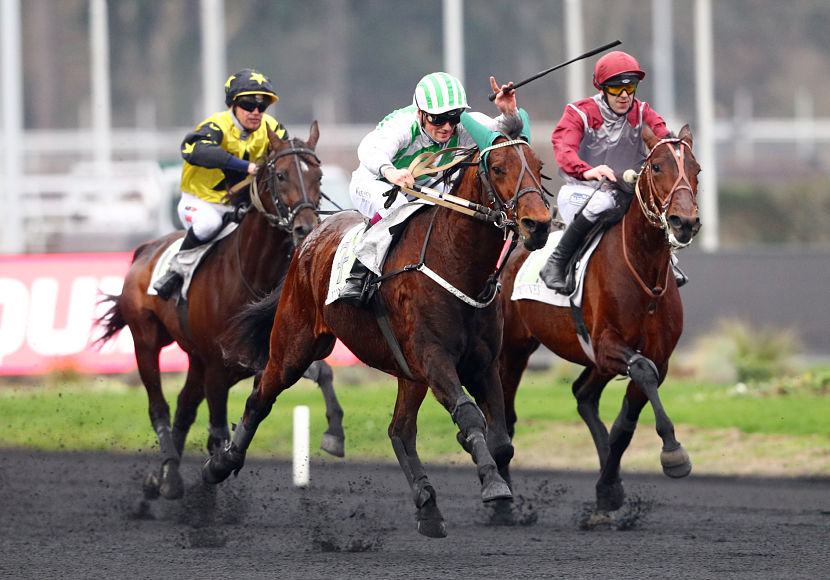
(430, 123)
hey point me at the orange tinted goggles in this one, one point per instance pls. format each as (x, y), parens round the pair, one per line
(617, 90)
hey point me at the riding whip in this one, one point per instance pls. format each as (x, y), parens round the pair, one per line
(602, 48)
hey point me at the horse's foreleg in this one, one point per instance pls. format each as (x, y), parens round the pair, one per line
(674, 458)
(402, 433)
(472, 427)
(229, 460)
(334, 439)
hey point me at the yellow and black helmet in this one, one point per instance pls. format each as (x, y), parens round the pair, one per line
(248, 82)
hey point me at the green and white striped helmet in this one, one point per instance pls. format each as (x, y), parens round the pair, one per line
(438, 93)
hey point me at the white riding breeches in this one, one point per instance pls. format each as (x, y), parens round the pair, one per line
(572, 197)
(204, 217)
(367, 193)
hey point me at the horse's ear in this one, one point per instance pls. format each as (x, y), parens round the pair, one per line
(273, 139)
(686, 135)
(314, 134)
(649, 137)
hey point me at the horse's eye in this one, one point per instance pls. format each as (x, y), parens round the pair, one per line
(497, 170)
(281, 176)
(655, 167)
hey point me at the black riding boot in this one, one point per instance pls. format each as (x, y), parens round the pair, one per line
(353, 291)
(553, 273)
(167, 284)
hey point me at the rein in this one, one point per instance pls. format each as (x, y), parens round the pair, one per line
(286, 215)
(498, 217)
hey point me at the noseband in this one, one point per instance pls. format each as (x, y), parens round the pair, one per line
(653, 208)
(285, 216)
(508, 207)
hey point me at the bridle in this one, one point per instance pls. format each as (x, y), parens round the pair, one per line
(505, 208)
(285, 216)
(653, 208)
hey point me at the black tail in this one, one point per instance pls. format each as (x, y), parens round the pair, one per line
(112, 321)
(247, 339)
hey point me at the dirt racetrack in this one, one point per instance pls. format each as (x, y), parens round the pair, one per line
(75, 516)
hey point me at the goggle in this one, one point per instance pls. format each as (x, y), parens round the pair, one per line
(452, 117)
(618, 89)
(250, 103)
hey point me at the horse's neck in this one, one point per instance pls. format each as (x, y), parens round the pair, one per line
(263, 250)
(644, 245)
(475, 244)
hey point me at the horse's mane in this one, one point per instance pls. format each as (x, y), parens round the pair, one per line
(512, 125)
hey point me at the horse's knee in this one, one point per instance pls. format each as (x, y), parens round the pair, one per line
(642, 371)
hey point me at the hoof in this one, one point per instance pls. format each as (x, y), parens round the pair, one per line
(333, 445)
(610, 497)
(676, 464)
(496, 490)
(150, 486)
(430, 521)
(172, 485)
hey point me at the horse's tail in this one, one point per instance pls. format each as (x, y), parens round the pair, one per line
(112, 321)
(247, 339)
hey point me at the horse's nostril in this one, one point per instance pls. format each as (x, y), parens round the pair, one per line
(533, 226)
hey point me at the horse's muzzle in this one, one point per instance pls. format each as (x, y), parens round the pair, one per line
(534, 233)
(683, 228)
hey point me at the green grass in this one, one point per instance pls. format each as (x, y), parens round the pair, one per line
(107, 415)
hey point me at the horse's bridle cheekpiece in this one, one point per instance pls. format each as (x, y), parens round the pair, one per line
(286, 214)
(654, 212)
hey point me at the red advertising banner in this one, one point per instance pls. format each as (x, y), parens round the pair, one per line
(48, 307)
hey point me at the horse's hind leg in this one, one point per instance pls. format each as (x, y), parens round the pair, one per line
(402, 432)
(587, 389)
(334, 439)
(674, 458)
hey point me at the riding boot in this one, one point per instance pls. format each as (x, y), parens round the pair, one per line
(167, 284)
(554, 272)
(354, 290)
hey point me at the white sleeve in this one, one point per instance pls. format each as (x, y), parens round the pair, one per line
(379, 147)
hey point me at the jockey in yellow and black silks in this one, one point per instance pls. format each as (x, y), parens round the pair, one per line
(219, 153)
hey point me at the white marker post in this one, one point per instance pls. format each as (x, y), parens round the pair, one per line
(301, 442)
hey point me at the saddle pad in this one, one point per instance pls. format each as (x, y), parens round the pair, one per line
(188, 260)
(528, 285)
(163, 265)
(344, 257)
(374, 245)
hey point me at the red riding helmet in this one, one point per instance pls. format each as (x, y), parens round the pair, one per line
(614, 64)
